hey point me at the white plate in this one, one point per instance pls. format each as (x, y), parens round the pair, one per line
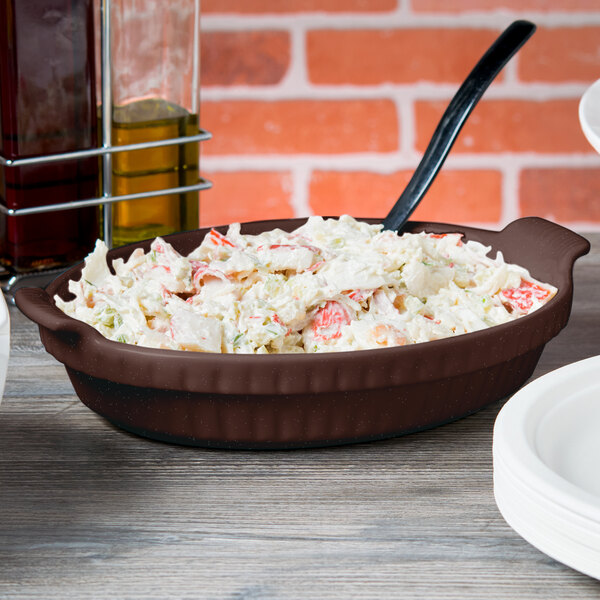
(589, 115)
(547, 464)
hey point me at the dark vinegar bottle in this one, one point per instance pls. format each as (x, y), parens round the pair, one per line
(47, 106)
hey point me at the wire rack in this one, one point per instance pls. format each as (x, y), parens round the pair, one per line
(9, 282)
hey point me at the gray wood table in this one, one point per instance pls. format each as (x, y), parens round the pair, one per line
(88, 511)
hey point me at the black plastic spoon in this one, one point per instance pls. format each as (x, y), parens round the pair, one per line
(464, 101)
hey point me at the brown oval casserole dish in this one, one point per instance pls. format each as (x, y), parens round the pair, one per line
(292, 400)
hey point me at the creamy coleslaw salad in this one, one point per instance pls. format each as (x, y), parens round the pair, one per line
(330, 285)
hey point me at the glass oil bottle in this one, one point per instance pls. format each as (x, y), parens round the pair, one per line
(155, 79)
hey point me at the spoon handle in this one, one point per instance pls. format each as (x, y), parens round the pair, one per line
(464, 101)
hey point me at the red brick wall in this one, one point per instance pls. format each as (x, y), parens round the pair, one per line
(326, 106)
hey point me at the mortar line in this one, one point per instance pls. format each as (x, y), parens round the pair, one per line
(401, 18)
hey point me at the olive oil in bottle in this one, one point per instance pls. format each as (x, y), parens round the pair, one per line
(156, 168)
(155, 79)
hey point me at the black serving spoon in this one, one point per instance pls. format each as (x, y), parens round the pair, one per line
(464, 101)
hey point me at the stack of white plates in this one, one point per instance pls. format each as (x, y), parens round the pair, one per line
(4, 342)
(547, 464)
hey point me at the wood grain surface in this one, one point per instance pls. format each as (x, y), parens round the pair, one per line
(89, 511)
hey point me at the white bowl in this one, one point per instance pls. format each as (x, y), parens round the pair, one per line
(589, 115)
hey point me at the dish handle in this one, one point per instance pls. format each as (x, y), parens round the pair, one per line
(37, 305)
(560, 247)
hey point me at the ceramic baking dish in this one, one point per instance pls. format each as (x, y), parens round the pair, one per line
(292, 400)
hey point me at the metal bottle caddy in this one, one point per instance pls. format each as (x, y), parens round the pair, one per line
(11, 282)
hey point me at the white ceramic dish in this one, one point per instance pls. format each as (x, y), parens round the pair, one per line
(546, 474)
(589, 115)
(4, 342)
